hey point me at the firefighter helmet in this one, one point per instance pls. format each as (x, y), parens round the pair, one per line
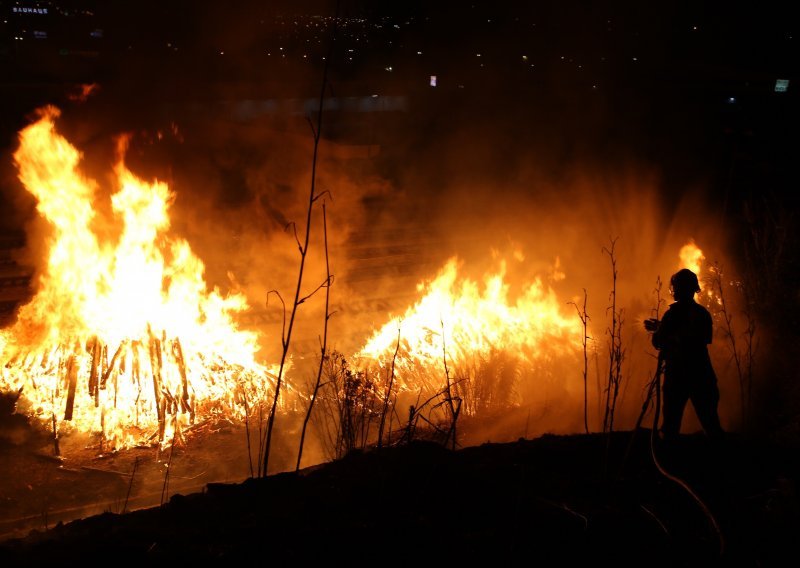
(684, 282)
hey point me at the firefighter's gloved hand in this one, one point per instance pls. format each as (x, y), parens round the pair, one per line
(651, 324)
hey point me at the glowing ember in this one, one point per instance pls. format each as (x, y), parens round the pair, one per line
(476, 325)
(123, 337)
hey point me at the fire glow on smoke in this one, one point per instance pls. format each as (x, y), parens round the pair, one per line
(125, 339)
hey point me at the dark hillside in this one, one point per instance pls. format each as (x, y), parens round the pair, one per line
(552, 500)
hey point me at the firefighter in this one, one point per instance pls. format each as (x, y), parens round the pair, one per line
(682, 338)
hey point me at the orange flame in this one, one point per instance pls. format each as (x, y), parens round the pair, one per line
(464, 320)
(121, 338)
(692, 257)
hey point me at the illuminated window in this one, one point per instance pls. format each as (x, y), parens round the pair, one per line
(781, 85)
(433, 80)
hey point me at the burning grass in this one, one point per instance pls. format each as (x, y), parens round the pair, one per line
(123, 337)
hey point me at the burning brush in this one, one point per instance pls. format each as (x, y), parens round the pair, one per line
(123, 337)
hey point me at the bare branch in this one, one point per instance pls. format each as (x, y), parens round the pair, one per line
(325, 284)
(330, 195)
(293, 225)
(283, 326)
(584, 317)
(324, 339)
(313, 128)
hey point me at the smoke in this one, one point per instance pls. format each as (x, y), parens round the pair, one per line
(566, 226)
(242, 191)
(547, 162)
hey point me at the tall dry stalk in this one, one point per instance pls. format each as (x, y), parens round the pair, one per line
(453, 402)
(324, 340)
(616, 354)
(247, 432)
(130, 486)
(286, 335)
(584, 317)
(388, 394)
(744, 367)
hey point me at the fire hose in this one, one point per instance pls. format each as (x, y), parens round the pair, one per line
(655, 385)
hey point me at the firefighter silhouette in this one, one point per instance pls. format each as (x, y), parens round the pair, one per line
(682, 338)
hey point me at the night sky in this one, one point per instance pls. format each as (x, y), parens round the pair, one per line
(687, 87)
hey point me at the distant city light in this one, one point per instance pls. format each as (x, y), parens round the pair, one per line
(731, 100)
(433, 80)
(781, 85)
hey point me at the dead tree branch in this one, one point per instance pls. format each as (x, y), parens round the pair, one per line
(324, 344)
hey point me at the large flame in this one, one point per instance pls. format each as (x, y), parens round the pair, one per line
(475, 328)
(123, 336)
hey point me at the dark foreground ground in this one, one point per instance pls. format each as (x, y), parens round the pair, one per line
(553, 500)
